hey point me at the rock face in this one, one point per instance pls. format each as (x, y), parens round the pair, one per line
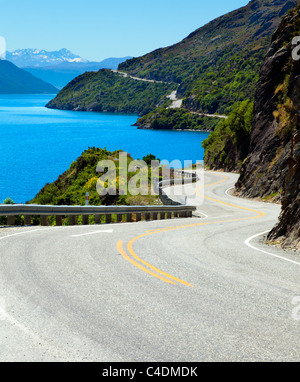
(273, 165)
(288, 228)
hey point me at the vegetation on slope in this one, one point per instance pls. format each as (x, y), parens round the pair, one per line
(176, 119)
(70, 188)
(218, 64)
(82, 176)
(227, 146)
(212, 69)
(105, 91)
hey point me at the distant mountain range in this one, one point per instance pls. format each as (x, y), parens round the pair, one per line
(60, 75)
(58, 67)
(14, 80)
(38, 58)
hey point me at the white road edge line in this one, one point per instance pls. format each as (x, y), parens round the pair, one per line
(202, 213)
(93, 232)
(22, 233)
(34, 337)
(11, 320)
(48, 228)
(227, 191)
(247, 242)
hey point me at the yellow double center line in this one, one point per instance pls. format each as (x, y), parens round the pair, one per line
(159, 274)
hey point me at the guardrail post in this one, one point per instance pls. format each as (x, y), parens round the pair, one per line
(169, 215)
(162, 215)
(108, 218)
(58, 220)
(189, 214)
(119, 218)
(27, 220)
(44, 220)
(11, 220)
(129, 218)
(97, 219)
(147, 216)
(85, 219)
(72, 220)
(154, 216)
(138, 217)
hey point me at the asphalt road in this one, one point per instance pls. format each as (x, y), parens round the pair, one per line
(197, 289)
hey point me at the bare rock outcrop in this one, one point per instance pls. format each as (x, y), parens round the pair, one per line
(273, 164)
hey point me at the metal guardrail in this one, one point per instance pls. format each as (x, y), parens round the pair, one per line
(170, 209)
(140, 212)
(185, 178)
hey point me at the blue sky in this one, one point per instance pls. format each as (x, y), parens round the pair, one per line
(97, 29)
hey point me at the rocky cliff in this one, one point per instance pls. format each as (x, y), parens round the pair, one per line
(272, 167)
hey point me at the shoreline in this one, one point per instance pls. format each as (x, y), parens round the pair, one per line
(194, 130)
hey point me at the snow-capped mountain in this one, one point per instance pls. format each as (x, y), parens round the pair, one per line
(40, 58)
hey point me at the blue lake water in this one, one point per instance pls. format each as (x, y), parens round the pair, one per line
(38, 144)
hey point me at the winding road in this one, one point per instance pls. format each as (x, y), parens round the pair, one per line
(176, 102)
(198, 289)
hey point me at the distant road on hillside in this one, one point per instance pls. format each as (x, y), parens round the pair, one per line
(138, 78)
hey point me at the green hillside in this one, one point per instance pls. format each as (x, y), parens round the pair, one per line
(14, 80)
(218, 64)
(213, 68)
(82, 176)
(227, 146)
(176, 119)
(105, 91)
